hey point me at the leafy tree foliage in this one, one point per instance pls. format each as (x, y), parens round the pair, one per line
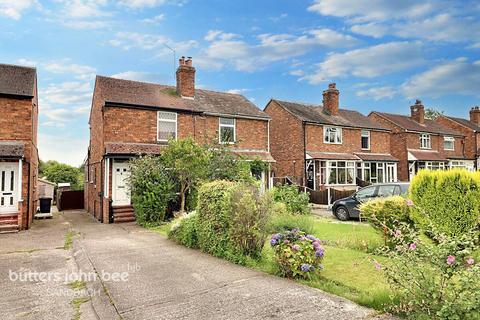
(59, 172)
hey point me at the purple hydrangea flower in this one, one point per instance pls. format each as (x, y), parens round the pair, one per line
(295, 230)
(286, 241)
(295, 247)
(273, 242)
(317, 245)
(307, 267)
(310, 237)
(303, 238)
(450, 260)
(319, 253)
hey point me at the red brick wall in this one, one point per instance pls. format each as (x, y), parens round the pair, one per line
(379, 141)
(25, 114)
(470, 136)
(286, 142)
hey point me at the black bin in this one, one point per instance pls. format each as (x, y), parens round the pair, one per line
(45, 205)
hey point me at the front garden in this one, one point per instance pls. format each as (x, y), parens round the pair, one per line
(414, 257)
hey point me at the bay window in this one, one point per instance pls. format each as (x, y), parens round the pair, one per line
(339, 172)
(332, 135)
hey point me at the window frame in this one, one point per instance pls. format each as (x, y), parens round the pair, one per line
(365, 134)
(234, 126)
(449, 139)
(166, 120)
(425, 137)
(338, 136)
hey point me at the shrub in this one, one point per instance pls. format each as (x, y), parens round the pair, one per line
(298, 255)
(185, 231)
(450, 200)
(280, 220)
(296, 202)
(391, 216)
(151, 189)
(435, 281)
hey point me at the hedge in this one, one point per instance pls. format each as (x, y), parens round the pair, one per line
(448, 200)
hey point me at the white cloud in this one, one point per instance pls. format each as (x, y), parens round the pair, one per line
(377, 93)
(297, 73)
(453, 77)
(154, 20)
(231, 49)
(26, 62)
(82, 72)
(85, 25)
(140, 4)
(65, 149)
(279, 17)
(371, 29)
(85, 8)
(133, 75)
(373, 10)
(14, 8)
(130, 40)
(369, 62)
(238, 91)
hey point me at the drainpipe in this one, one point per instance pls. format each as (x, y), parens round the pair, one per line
(476, 150)
(304, 153)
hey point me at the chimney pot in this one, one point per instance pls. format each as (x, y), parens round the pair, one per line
(418, 112)
(475, 115)
(331, 100)
(186, 78)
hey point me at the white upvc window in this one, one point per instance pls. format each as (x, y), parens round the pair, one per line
(425, 141)
(227, 134)
(332, 135)
(340, 172)
(366, 139)
(461, 164)
(166, 126)
(449, 143)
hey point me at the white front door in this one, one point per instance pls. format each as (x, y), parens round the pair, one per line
(8, 187)
(120, 193)
(391, 172)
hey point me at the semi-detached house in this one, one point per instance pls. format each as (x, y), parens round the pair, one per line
(18, 147)
(323, 146)
(131, 118)
(419, 143)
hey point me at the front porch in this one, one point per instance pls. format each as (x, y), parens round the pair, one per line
(432, 160)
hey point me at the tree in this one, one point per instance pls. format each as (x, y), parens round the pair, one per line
(60, 172)
(44, 165)
(432, 113)
(224, 165)
(187, 162)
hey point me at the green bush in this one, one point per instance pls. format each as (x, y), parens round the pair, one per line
(296, 202)
(280, 220)
(185, 231)
(298, 255)
(450, 200)
(151, 189)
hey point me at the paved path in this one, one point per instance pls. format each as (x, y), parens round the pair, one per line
(167, 281)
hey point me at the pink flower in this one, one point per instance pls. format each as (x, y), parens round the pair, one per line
(397, 233)
(410, 203)
(413, 246)
(450, 260)
(295, 247)
(470, 261)
(378, 266)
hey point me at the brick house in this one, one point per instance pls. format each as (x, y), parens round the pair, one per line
(421, 143)
(325, 146)
(470, 128)
(18, 147)
(131, 118)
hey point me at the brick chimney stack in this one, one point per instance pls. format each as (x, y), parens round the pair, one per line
(186, 78)
(330, 99)
(418, 112)
(475, 115)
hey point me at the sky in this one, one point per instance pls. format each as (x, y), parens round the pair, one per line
(382, 54)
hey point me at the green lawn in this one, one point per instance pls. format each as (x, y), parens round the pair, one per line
(348, 264)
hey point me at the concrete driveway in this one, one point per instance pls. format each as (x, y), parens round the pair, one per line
(143, 275)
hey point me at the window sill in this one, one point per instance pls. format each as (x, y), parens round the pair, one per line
(333, 142)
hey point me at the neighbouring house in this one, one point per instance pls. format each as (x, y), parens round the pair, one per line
(18, 147)
(131, 118)
(421, 143)
(470, 128)
(322, 146)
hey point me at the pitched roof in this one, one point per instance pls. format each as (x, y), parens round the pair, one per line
(409, 124)
(137, 93)
(17, 80)
(317, 114)
(467, 123)
(11, 149)
(425, 155)
(376, 156)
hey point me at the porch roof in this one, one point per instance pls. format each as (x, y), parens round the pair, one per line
(376, 157)
(11, 149)
(421, 155)
(331, 156)
(128, 148)
(254, 154)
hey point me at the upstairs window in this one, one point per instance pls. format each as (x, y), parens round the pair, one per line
(365, 140)
(167, 126)
(425, 141)
(332, 135)
(449, 143)
(227, 130)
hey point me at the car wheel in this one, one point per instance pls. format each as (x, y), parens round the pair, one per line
(342, 213)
